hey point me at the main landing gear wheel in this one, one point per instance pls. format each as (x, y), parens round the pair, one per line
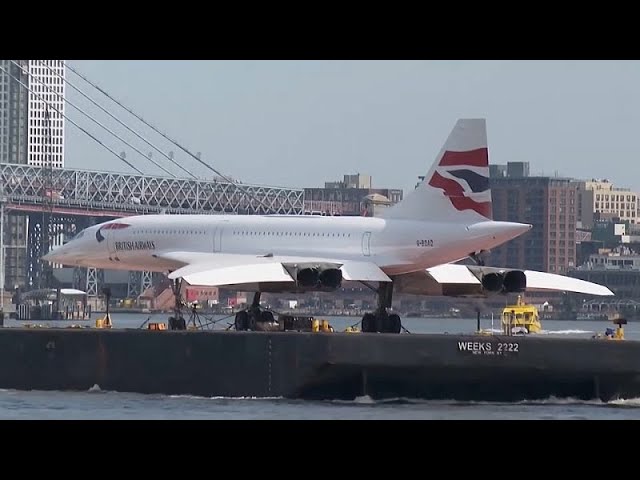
(256, 319)
(392, 324)
(370, 323)
(380, 321)
(242, 321)
(246, 320)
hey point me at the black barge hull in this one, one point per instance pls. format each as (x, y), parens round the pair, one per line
(319, 365)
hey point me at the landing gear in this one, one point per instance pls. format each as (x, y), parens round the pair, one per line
(242, 321)
(478, 257)
(380, 320)
(254, 318)
(177, 322)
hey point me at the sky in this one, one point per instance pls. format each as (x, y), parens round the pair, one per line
(301, 123)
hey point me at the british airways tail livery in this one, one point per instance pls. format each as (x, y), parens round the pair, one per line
(410, 248)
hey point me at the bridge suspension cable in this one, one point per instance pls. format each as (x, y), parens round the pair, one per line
(67, 118)
(51, 89)
(117, 119)
(166, 137)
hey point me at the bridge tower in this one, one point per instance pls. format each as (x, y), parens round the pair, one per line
(138, 283)
(47, 226)
(88, 280)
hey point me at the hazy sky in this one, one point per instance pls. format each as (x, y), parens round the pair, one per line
(301, 123)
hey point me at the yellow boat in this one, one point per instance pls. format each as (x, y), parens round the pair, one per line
(521, 315)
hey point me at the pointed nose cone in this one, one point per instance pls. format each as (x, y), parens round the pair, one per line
(508, 230)
(520, 228)
(497, 233)
(51, 255)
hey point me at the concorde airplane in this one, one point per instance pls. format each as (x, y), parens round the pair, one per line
(411, 247)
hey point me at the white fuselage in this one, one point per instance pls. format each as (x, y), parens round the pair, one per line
(396, 246)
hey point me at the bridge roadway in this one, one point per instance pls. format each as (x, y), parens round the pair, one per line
(79, 198)
(80, 192)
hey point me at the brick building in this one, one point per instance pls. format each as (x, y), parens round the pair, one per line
(550, 205)
(352, 196)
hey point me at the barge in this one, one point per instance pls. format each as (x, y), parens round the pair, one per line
(319, 364)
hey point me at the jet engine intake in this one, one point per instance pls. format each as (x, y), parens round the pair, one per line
(331, 278)
(316, 276)
(512, 281)
(308, 277)
(515, 281)
(492, 282)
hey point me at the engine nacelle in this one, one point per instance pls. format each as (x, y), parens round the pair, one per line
(331, 278)
(308, 277)
(492, 282)
(314, 276)
(513, 281)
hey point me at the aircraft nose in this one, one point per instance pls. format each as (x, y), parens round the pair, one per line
(51, 255)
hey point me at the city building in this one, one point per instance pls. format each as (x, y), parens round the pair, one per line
(351, 181)
(32, 133)
(354, 196)
(511, 170)
(599, 199)
(549, 204)
(28, 119)
(617, 268)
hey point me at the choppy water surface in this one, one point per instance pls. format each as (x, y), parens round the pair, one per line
(97, 404)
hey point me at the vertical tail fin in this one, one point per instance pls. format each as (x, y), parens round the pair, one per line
(456, 188)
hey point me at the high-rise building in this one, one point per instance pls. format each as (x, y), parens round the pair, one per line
(32, 133)
(32, 123)
(511, 170)
(598, 199)
(550, 205)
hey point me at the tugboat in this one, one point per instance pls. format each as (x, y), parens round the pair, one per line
(520, 318)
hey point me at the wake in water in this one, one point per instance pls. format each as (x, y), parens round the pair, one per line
(360, 401)
(551, 401)
(565, 332)
(367, 400)
(545, 332)
(631, 402)
(196, 397)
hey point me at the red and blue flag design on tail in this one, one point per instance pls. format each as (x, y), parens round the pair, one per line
(461, 185)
